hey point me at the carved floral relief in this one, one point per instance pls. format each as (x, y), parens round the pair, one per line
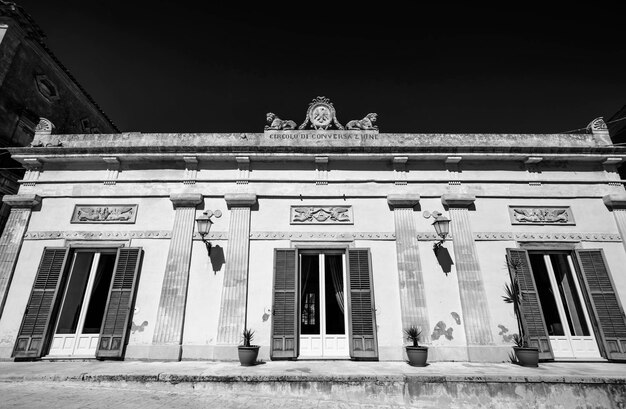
(321, 215)
(104, 214)
(541, 215)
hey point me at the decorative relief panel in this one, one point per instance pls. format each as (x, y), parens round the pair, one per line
(541, 215)
(321, 215)
(108, 214)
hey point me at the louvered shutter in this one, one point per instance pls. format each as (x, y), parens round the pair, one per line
(117, 315)
(606, 306)
(285, 305)
(363, 343)
(532, 314)
(37, 323)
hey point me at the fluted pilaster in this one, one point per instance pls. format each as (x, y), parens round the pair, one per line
(410, 276)
(12, 238)
(171, 311)
(234, 291)
(471, 285)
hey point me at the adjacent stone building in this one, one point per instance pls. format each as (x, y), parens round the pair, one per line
(322, 243)
(34, 84)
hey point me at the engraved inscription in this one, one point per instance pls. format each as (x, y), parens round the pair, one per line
(104, 214)
(321, 214)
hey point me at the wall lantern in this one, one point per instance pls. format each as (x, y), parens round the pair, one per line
(204, 223)
(441, 224)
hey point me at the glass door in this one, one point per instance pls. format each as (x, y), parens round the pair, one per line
(323, 316)
(82, 309)
(566, 316)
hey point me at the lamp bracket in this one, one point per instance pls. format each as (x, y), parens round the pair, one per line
(434, 214)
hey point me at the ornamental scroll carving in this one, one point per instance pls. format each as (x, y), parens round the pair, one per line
(104, 214)
(321, 215)
(541, 215)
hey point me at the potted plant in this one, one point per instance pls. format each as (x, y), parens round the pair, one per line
(525, 355)
(417, 354)
(248, 353)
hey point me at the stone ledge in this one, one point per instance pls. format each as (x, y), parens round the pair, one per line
(399, 200)
(22, 201)
(458, 199)
(186, 199)
(615, 201)
(240, 199)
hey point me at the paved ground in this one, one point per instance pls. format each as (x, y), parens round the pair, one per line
(309, 384)
(302, 369)
(70, 395)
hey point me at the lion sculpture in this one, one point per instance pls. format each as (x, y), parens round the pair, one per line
(275, 123)
(364, 124)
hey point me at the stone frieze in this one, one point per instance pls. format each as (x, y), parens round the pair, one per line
(561, 215)
(109, 214)
(321, 215)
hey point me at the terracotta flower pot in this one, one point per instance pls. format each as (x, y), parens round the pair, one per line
(248, 355)
(527, 356)
(417, 355)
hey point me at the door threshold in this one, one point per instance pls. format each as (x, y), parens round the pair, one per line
(69, 358)
(579, 360)
(324, 358)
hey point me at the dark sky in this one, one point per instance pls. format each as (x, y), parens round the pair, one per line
(166, 66)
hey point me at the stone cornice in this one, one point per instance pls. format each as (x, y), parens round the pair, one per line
(615, 201)
(186, 199)
(458, 199)
(240, 199)
(397, 200)
(22, 201)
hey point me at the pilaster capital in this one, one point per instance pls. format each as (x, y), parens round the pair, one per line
(22, 201)
(615, 201)
(410, 200)
(186, 199)
(32, 164)
(240, 199)
(458, 199)
(112, 162)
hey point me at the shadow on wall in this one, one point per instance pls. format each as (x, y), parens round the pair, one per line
(444, 259)
(217, 258)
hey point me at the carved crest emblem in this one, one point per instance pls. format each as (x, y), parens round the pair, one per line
(321, 115)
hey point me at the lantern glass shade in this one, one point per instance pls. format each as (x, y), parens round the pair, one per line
(442, 226)
(204, 224)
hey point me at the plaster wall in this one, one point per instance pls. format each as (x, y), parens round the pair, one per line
(56, 214)
(148, 292)
(206, 276)
(369, 215)
(446, 335)
(590, 215)
(386, 299)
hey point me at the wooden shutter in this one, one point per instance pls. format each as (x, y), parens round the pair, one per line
(34, 335)
(118, 311)
(285, 305)
(605, 303)
(363, 343)
(532, 315)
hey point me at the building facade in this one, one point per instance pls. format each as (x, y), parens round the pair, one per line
(322, 243)
(34, 84)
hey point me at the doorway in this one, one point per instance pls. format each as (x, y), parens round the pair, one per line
(565, 313)
(77, 329)
(323, 317)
